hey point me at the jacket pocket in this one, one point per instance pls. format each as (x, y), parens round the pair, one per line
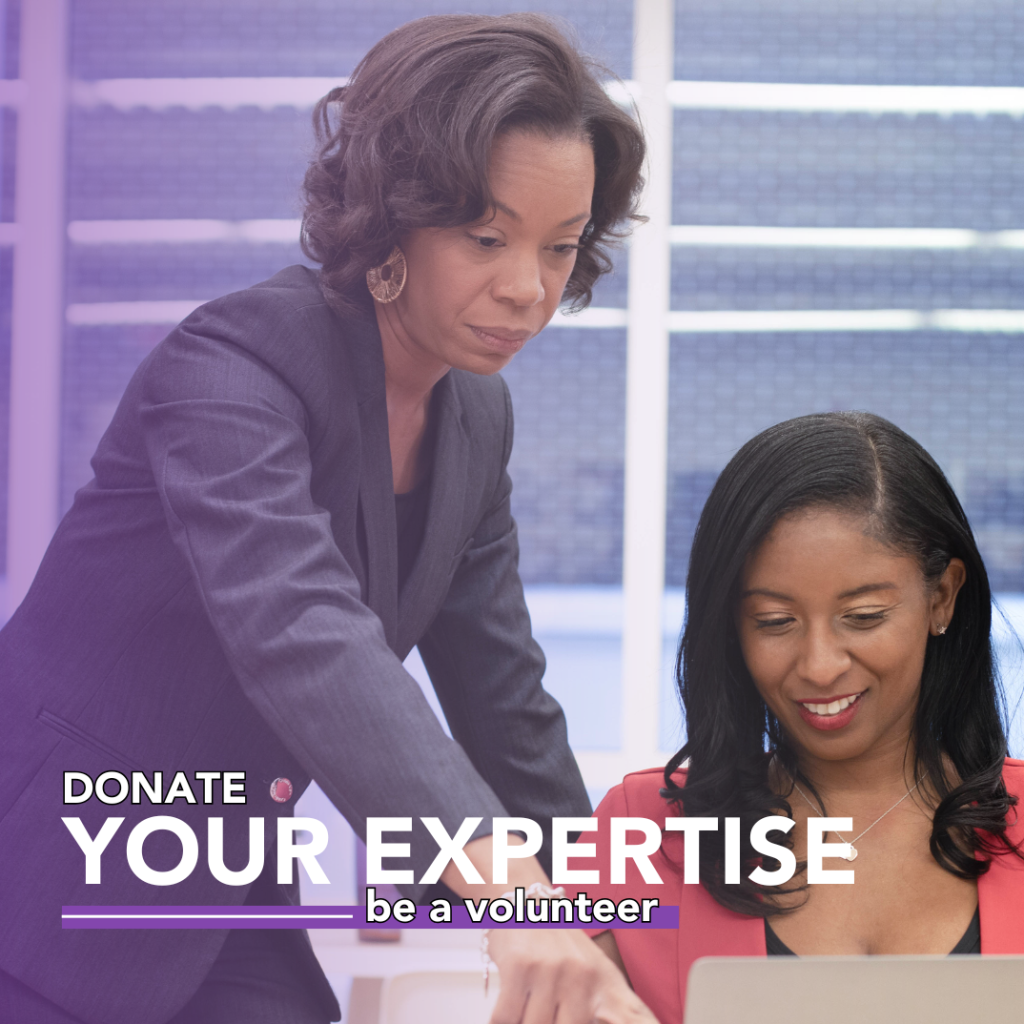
(72, 732)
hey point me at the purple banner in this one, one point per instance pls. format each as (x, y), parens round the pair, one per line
(321, 917)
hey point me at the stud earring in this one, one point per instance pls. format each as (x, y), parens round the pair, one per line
(940, 630)
(387, 281)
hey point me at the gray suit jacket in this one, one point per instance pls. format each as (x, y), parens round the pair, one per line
(204, 607)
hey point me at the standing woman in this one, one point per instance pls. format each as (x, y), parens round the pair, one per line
(303, 481)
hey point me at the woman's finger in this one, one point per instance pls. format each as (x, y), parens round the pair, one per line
(560, 977)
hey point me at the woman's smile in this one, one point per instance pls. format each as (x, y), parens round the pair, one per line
(835, 714)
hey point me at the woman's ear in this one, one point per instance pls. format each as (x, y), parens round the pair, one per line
(944, 596)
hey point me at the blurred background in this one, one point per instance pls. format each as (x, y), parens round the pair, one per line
(837, 222)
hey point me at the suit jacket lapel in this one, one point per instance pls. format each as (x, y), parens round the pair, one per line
(405, 617)
(376, 487)
(424, 589)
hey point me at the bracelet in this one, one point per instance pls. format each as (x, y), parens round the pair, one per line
(487, 961)
(541, 889)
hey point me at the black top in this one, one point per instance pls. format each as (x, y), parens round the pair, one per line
(411, 518)
(970, 941)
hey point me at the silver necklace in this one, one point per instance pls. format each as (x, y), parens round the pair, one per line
(852, 855)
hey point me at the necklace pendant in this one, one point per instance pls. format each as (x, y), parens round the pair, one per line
(852, 855)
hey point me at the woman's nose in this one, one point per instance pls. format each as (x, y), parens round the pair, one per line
(823, 658)
(520, 280)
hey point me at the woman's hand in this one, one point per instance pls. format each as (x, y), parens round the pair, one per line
(560, 977)
(547, 976)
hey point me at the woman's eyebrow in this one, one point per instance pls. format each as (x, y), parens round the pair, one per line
(764, 593)
(509, 212)
(575, 220)
(856, 592)
(867, 589)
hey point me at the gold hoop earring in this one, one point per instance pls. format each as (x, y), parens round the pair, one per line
(387, 281)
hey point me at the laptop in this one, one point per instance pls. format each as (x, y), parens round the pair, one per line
(855, 990)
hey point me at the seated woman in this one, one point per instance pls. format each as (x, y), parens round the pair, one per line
(836, 662)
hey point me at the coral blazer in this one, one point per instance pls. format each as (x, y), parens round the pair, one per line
(659, 961)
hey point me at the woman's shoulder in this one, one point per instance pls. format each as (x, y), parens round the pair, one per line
(291, 300)
(1013, 776)
(296, 287)
(281, 327)
(639, 795)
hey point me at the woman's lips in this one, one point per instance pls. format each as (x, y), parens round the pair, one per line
(830, 715)
(503, 340)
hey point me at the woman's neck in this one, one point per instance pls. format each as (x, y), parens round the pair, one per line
(410, 371)
(888, 768)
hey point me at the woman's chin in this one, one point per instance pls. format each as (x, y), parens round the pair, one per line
(844, 744)
(483, 364)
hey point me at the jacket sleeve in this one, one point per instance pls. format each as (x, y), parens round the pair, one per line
(487, 671)
(227, 443)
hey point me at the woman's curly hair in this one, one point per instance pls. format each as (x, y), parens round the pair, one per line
(405, 143)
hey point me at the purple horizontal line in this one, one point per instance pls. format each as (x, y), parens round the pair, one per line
(194, 917)
(188, 917)
(246, 910)
(212, 917)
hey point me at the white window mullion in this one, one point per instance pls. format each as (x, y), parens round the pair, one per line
(643, 570)
(37, 313)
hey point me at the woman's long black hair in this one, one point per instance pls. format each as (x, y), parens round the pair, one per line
(863, 464)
